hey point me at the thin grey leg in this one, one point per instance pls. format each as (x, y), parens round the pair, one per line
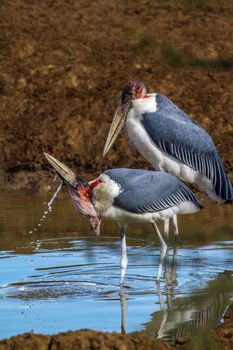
(162, 242)
(166, 228)
(175, 226)
(124, 259)
(163, 251)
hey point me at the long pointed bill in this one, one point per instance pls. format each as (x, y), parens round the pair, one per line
(116, 126)
(63, 171)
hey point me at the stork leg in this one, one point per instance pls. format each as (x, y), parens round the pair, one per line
(166, 228)
(163, 250)
(124, 259)
(175, 226)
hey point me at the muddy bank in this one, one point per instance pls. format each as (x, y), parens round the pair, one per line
(63, 65)
(220, 338)
(83, 340)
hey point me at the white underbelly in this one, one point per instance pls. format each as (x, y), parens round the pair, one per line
(164, 162)
(121, 215)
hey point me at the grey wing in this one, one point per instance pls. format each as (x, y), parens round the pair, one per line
(146, 191)
(175, 133)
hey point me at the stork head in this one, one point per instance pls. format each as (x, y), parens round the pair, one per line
(80, 191)
(133, 90)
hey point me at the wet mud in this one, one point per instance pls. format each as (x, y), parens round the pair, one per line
(64, 63)
(220, 338)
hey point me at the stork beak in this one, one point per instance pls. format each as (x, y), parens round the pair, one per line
(62, 170)
(116, 126)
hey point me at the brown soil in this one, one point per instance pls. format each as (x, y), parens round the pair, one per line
(63, 65)
(83, 340)
(220, 338)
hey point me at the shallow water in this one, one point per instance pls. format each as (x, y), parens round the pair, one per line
(61, 277)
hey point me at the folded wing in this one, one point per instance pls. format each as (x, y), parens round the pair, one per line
(176, 134)
(146, 191)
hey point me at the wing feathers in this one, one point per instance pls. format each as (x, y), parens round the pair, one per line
(163, 191)
(209, 165)
(176, 134)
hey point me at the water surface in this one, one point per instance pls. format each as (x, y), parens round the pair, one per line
(61, 277)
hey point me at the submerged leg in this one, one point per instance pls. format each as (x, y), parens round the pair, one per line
(166, 228)
(163, 250)
(124, 259)
(175, 226)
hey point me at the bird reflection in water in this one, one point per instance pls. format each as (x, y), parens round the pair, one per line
(124, 307)
(181, 317)
(170, 284)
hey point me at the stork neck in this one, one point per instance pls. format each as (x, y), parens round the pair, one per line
(145, 105)
(93, 184)
(83, 192)
(105, 193)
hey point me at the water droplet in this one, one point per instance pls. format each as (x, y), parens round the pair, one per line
(49, 204)
(54, 196)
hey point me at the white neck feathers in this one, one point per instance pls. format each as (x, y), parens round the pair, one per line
(104, 193)
(145, 105)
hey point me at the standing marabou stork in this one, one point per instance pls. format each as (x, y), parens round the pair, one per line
(170, 140)
(128, 195)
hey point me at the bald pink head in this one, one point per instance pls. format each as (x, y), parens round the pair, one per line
(133, 90)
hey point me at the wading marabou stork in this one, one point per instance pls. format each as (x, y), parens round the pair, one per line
(128, 195)
(170, 140)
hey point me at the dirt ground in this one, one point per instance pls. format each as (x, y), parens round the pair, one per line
(64, 62)
(220, 338)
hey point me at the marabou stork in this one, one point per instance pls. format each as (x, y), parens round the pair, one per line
(171, 141)
(128, 195)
